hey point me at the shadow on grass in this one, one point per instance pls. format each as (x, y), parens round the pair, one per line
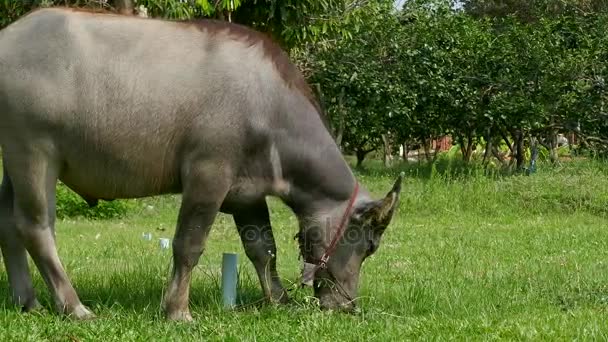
(142, 293)
(592, 295)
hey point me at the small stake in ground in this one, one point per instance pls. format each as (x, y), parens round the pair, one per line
(164, 243)
(229, 279)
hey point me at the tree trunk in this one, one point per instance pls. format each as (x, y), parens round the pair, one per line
(405, 152)
(553, 148)
(534, 154)
(466, 147)
(487, 152)
(498, 156)
(506, 140)
(549, 142)
(460, 140)
(427, 148)
(520, 150)
(469, 154)
(360, 153)
(124, 6)
(387, 150)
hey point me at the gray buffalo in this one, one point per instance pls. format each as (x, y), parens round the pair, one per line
(125, 107)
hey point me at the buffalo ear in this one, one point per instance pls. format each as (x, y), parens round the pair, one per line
(380, 212)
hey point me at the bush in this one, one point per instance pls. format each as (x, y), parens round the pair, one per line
(11, 10)
(70, 204)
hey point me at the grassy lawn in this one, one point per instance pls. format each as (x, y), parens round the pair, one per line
(467, 257)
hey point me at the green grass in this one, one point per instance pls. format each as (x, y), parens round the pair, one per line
(469, 256)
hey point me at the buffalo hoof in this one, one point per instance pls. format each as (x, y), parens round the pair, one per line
(32, 306)
(279, 299)
(81, 313)
(179, 316)
(347, 307)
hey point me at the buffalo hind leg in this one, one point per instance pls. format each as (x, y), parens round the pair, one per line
(34, 189)
(14, 254)
(253, 224)
(205, 187)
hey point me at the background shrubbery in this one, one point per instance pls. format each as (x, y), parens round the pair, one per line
(69, 204)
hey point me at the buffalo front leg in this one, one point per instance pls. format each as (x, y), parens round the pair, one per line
(34, 178)
(204, 191)
(14, 254)
(253, 224)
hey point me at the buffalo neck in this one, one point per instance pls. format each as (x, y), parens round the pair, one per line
(320, 180)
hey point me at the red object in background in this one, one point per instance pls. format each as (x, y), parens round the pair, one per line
(442, 144)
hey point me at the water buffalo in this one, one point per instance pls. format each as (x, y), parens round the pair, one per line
(124, 107)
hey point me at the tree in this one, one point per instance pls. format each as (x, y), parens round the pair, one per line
(299, 22)
(289, 22)
(124, 6)
(360, 80)
(533, 10)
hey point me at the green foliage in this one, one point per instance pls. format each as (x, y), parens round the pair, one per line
(290, 22)
(431, 70)
(534, 9)
(296, 23)
(11, 10)
(359, 79)
(70, 205)
(181, 10)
